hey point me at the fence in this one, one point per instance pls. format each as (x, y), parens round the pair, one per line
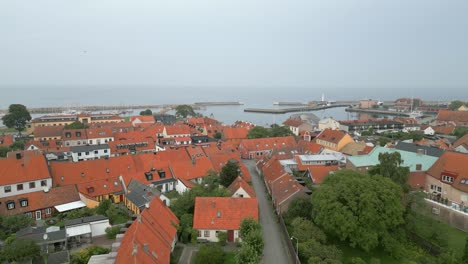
(291, 248)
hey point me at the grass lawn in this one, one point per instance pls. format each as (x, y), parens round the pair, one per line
(230, 257)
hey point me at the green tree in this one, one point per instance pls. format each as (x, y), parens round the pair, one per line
(248, 225)
(19, 250)
(146, 112)
(312, 251)
(103, 206)
(4, 151)
(460, 131)
(12, 224)
(305, 229)
(300, 207)
(210, 254)
(76, 125)
(258, 132)
(185, 227)
(184, 111)
(111, 232)
(255, 240)
(217, 135)
(391, 167)
(358, 208)
(280, 131)
(247, 255)
(229, 173)
(454, 105)
(383, 141)
(17, 117)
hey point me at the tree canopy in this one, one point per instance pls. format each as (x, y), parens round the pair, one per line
(454, 105)
(229, 173)
(358, 208)
(146, 112)
(274, 131)
(17, 117)
(390, 167)
(76, 125)
(210, 254)
(19, 250)
(12, 224)
(184, 111)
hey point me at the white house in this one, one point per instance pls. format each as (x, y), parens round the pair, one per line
(90, 152)
(429, 131)
(328, 123)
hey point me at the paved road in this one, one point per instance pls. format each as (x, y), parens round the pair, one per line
(275, 247)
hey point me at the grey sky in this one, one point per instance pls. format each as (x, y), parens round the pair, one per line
(413, 47)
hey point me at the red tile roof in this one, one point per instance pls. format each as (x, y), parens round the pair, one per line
(458, 117)
(308, 147)
(291, 122)
(285, 188)
(330, 135)
(40, 200)
(453, 164)
(446, 130)
(73, 134)
(241, 183)
(319, 172)
(223, 213)
(6, 140)
(180, 129)
(235, 132)
(417, 180)
(48, 131)
(259, 144)
(239, 123)
(461, 141)
(143, 119)
(47, 146)
(149, 238)
(30, 167)
(103, 132)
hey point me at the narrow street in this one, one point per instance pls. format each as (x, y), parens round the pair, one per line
(275, 250)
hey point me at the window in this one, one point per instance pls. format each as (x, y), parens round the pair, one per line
(79, 154)
(7, 189)
(43, 183)
(105, 151)
(32, 185)
(10, 205)
(68, 134)
(217, 232)
(87, 152)
(28, 214)
(439, 189)
(95, 152)
(199, 233)
(206, 233)
(447, 178)
(19, 187)
(48, 211)
(24, 202)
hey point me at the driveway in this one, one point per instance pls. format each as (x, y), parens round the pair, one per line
(275, 250)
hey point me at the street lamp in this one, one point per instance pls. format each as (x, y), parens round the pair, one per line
(297, 245)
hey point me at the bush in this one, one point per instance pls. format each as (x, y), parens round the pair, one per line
(210, 254)
(83, 256)
(111, 232)
(222, 237)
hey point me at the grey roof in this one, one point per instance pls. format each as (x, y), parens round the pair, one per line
(89, 148)
(430, 151)
(88, 219)
(140, 194)
(60, 257)
(37, 235)
(102, 259)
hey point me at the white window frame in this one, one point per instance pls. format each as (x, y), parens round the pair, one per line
(48, 211)
(206, 233)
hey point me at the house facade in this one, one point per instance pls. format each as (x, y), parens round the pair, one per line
(90, 152)
(333, 139)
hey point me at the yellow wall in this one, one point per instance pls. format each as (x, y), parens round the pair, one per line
(344, 141)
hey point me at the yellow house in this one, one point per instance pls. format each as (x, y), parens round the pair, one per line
(333, 139)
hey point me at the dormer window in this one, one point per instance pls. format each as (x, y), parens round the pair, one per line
(67, 134)
(78, 134)
(448, 179)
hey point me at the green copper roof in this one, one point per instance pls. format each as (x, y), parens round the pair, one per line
(410, 159)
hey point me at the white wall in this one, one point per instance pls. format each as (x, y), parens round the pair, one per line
(99, 228)
(212, 235)
(180, 187)
(91, 155)
(241, 193)
(26, 188)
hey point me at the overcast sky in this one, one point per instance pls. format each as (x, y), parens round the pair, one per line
(413, 47)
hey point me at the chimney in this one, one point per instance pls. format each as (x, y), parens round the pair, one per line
(418, 167)
(421, 151)
(18, 156)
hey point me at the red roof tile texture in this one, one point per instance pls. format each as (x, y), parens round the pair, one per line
(330, 135)
(149, 239)
(30, 167)
(48, 131)
(457, 117)
(223, 213)
(6, 140)
(235, 132)
(40, 200)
